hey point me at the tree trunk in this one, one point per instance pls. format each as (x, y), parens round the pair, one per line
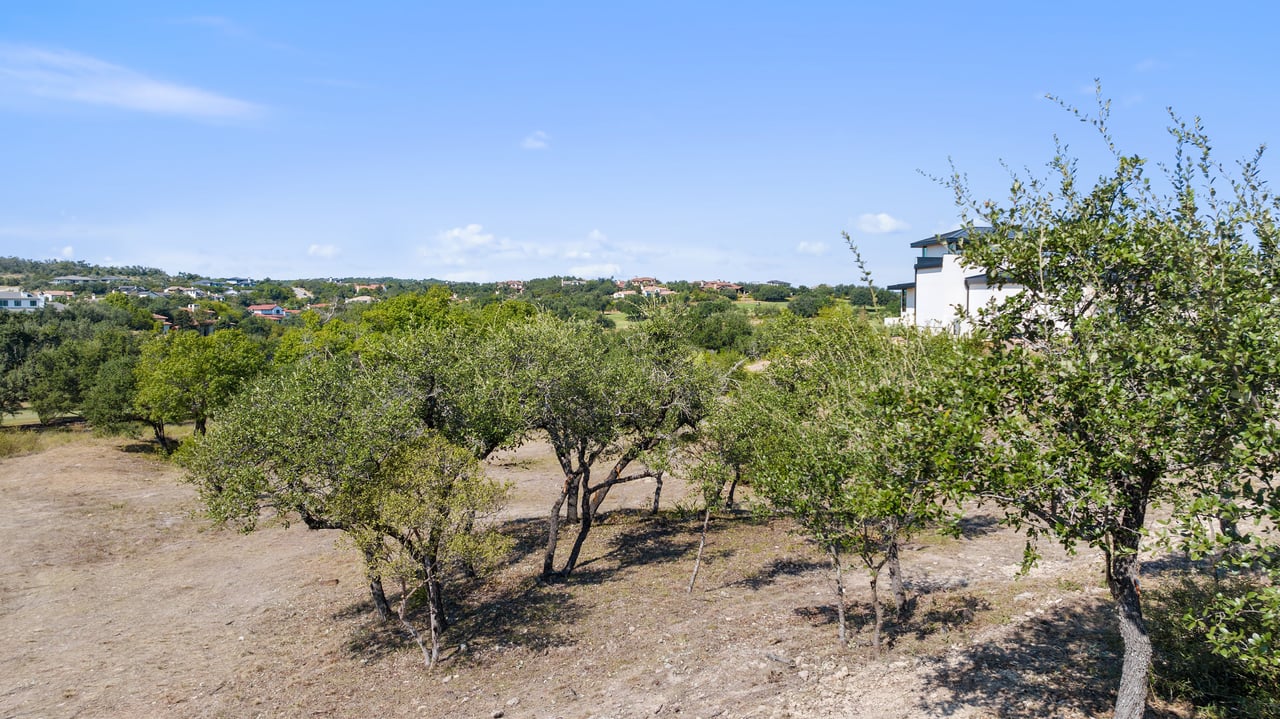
(733, 486)
(588, 514)
(158, 429)
(895, 578)
(200, 425)
(375, 587)
(657, 493)
(571, 513)
(435, 600)
(1122, 580)
(875, 603)
(405, 593)
(553, 532)
(835, 562)
(702, 543)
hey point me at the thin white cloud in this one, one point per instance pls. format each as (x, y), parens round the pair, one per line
(597, 236)
(232, 29)
(880, 223)
(67, 252)
(812, 248)
(324, 251)
(66, 76)
(217, 22)
(607, 269)
(536, 140)
(472, 235)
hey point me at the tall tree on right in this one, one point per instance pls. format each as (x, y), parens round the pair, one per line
(1140, 361)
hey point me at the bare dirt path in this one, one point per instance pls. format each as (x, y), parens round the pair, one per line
(115, 600)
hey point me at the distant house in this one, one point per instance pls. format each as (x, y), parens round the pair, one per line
(571, 282)
(271, 312)
(74, 280)
(656, 291)
(18, 301)
(623, 293)
(55, 295)
(362, 299)
(720, 286)
(947, 292)
(643, 281)
(136, 291)
(513, 285)
(368, 288)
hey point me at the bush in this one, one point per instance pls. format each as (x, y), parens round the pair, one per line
(1187, 668)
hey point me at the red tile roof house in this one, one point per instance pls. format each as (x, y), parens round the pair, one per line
(271, 312)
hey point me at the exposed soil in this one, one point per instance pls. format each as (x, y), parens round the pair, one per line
(116, 599)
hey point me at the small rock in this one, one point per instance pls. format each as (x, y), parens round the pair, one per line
(513, 701)
(498, 714)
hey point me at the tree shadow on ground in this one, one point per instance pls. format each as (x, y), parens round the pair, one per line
(972, 527)
(918, 619)
(1066, 660)
(776, 569)
(528, 536)
(143, 447)
(525, 615)
(638, 538)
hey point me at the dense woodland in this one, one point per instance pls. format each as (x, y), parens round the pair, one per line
(1138, 368)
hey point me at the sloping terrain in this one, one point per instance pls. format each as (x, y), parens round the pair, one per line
(116, 599)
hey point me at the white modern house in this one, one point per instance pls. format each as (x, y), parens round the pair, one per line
(20, 301)
(946, 292)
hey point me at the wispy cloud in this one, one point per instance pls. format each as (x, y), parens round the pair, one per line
(606, 269)
(217, 22)
(880, 223)
(67, 252)
(537, 140)
(66, 76)
(812, 248)
(323, 251)
(230, 28)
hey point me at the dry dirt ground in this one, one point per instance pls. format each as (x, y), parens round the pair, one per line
(117, 600)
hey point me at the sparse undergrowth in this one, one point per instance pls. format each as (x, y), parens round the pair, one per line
(279, 623)
(1185, 667)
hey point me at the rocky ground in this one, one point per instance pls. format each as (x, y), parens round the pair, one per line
(117, 599)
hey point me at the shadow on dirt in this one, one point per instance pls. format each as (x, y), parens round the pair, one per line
(776, 569)
(145, 447)
(634, 537)
(972, 527)
(1067, 658)
(922, 616)
(527, 615)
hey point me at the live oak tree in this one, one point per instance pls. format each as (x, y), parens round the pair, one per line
(338, 445)
(185, 376)
(597, 395)
(861, 437)
(418, 518)
(1139, 363)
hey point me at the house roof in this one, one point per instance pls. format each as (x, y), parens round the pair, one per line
(946, 237)
(928, 263)
(902, 286)
(253, 308)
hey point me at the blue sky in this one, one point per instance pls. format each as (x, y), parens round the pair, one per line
(489, 141)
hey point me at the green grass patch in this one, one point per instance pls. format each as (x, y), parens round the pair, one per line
(620, 319)
(25, 417)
